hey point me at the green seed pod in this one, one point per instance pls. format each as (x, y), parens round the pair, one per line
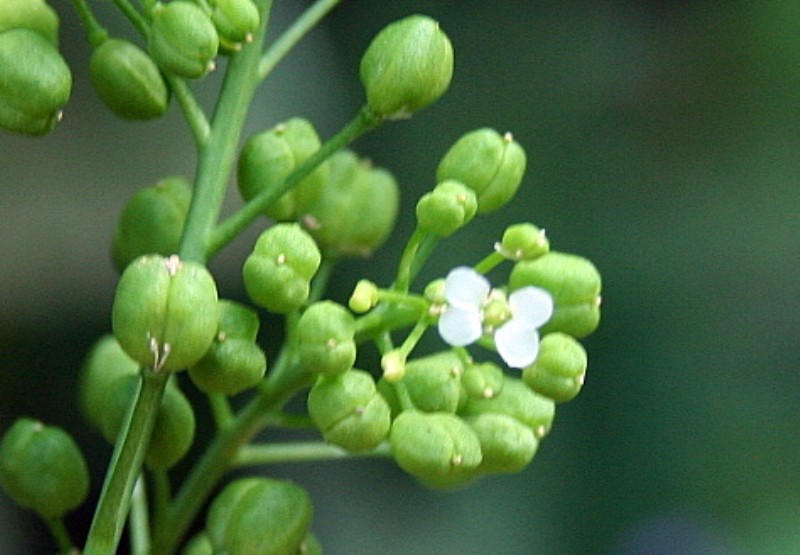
(524, 242)
(151, 221)
(35, 82)
(238, 320)
(236, 22)
(259, 516)
(277, 274)
(183, 41)
(517, 401)
(559, 369)
(490, 164)
(481, 381)
(349, 411)
(128, 81)
(573, 282)
(357, 210)
(507, 444)
(326, 338)
(35, 15)
(105, 363)
(434, 382)
(439, 449)
(165, 312)
(449, 207)
(42, 468)
(408, 65)
(268, 158)
(174, 427)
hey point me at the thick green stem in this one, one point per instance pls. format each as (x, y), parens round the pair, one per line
(301, 451)
(235, 224)
(61, 535)
(112, 509)
(139, 519)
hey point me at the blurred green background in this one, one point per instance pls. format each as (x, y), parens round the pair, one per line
(663, 142)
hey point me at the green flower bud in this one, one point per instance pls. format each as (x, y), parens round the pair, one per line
(573, 282)
(277, 274)
(482, 381)
(433, 383)
(183, 41)
(42, 468)
(507, 444)
(234, 362)
(559, 369)
(310, 546)
(523, 242)
(236, 22)
(439, 449)
(364, 297)
(268, 158)
(259, 516)
(357, 210)
(490, 164)
(35, 82)
(434, 292)
(173, 429)
(349, 411)
(151, 221)
(519, 402)
(105, 363)
(408, 65)
(450, 206)
(165, 312)
(35, 15)
(325, 337)
(128, 81)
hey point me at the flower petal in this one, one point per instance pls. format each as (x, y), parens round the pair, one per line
(464, 287)
(517, 343)
(459, 326)
(532, 305)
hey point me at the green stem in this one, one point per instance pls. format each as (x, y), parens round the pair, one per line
(221, 410)
(61, 534)
(95, 33)
(236, 223)
(133, 15)
(299, 29)
(139, 519)
(489, 263)
(301, 451)
(126, 462)
(192, 111)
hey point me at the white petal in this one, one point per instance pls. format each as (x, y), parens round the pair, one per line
(459, 326)
(464, 287)
(532, 305)
(517, 343)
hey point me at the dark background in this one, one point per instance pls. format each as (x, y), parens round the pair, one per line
(663, 144)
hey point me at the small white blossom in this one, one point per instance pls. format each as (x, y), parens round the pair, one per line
(462, 322)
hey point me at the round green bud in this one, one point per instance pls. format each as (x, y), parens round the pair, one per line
(165, 312)
(439, 449)
(408, 66)
(35, 82)
(42, 468)
(364, 297)
(151, 221)
(349, 411)
(481, 381)
(183, 41)
(523, 242)
(326, 338)
(277, 274)
(490, 164)
(575, 285)
(433, 382)
(238, 320)
(434, 292)
(357, 210)
(507, 445)
(449, 207)
(236, 22)
(518, 401)
(268, 158)
(128, 81)
(105, 363)
(559, 369)
(229, 367)
(259, 516)
(35, 15)
(310, 546)
(173, 429)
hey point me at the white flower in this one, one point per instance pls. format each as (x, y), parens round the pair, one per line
(517, 339)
